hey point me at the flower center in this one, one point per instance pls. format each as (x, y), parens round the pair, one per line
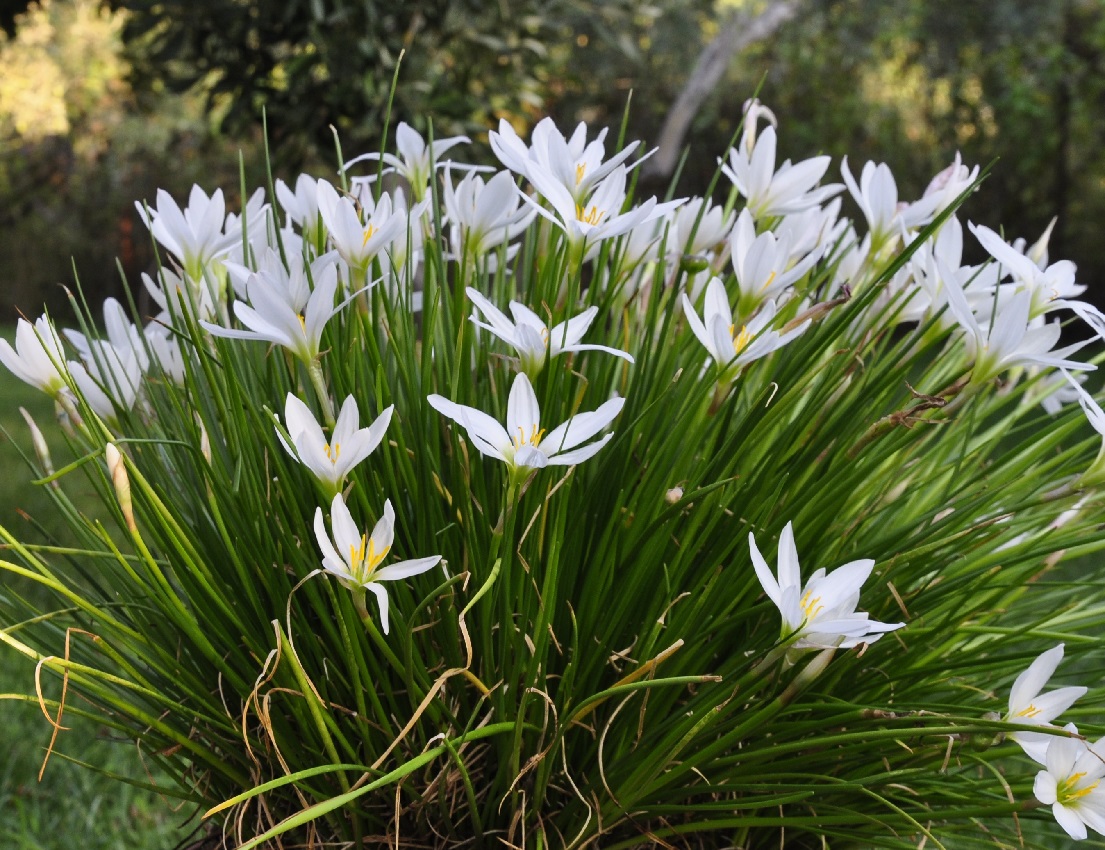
(811, 607)
(363, 564)
(369, 232)
(332, 452)
(590, 216)
(536, 435)
(741, 340)
(1068, 791)
(1031, 711)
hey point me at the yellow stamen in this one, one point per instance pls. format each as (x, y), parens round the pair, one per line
(767, 282)
(369, 232)
(363, 564)
(333, 452)
(580, 169)
(811, 607)
(1067, 791)
(1031, 711)
(302, 324)
(741, 340)
(536, 435)
(592, 216)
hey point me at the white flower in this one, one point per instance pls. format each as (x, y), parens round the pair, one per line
(1071, 784)
(121, 333)
(712, 227)
(532, 339)
(301, 205)
(877, 196)
(166, 352)
(762, 263)
(1049, 287)
(1008, 339)
(109, 379)
(37, 356)
(822, 613)
(331, 460)
(179, 297)
(1027, 705)
(950, 183)
(572, 163)
(732, 348)
(355, 557)
(484, 215)
(768, 192)
(357, 243)
(195, 235)
(416, 160)
(523, 444)
(270, 318)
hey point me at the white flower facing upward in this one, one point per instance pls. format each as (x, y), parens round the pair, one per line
(331, 460)
(416, 161)
(1071, 784)
(37, 356)
(355, 556)
(822, 613)
(193, 235)
(523, 445)
(358, 243)
(483, 215)
(532, 338)
(732, 347)
(1028, 705)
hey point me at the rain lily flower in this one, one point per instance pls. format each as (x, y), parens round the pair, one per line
(730, 346)
(822, 613)
(301, 206)
(1071, 784)
(416, 161)
(1095, 475)
(484, 215)
(109, 379)
(1008, 339)
(355, 556)
(532, 339)
(713, 226)
(37, 356)
(1028, 705)
(523, 445)
(770, 193)
(877, 196)
(950, 183)
(330, 460)
(121, 333)
(179, 296)
(763, 263)
(357, 243)
(194, 235)
(166, 352)
(571, 163)
(271, 318)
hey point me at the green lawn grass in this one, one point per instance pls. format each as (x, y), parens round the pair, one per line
(72, 807)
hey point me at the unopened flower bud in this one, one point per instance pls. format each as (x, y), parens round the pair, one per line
(41, 449)
(673, 495)
(121, 481)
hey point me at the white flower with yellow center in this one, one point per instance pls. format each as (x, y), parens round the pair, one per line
(194, 235)
(1071, 784)
(358, 242)
(732, 345)
(523, 443)
(355, 556)
(1028, 705)
(331, 460)
(822, 613)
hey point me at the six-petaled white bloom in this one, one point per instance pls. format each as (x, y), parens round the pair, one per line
(416, 160)
(731, 347)
(358, 243)
(37, 357)
(355, 556)
(483, 215)
(822, 613)
(532, 338)
(1071, 784)
(331, 460)
(193, 235)
(1028, 705)
(523, 444)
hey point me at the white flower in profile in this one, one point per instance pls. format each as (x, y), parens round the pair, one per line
(357, 243)
(109, 379)
(763, 263)
(256, 223)
(270, 318)
(877, 196)
(301, 206)
(1009, 339)
(950, 183)
(1027, 705)
(822, 613)
(121, 333)
(484, 214)
(165, 351)
(193, 235)
(180, 297)
(1071, 784)
(532, 338)
(572, 163)
(769, 192)
(355, 556)
(416, 160)
(523, 445)
(708, 223)
(330, 460)
(37, 358)
(729, 347)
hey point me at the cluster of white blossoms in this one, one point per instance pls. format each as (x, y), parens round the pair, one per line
(741, 288)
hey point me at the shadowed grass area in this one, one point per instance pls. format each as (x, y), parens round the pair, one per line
(72, 807)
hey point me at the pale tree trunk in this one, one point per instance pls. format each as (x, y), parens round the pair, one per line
(738, 31)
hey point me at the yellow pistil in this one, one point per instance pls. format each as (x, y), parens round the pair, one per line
(536, 435)
(363, 564)
(811, 607)
(741, 340)
(1066, 792)
(332, 452)
(592, 216)
(369, 232)
(581, 168)
(767, 282)
(303, 324)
